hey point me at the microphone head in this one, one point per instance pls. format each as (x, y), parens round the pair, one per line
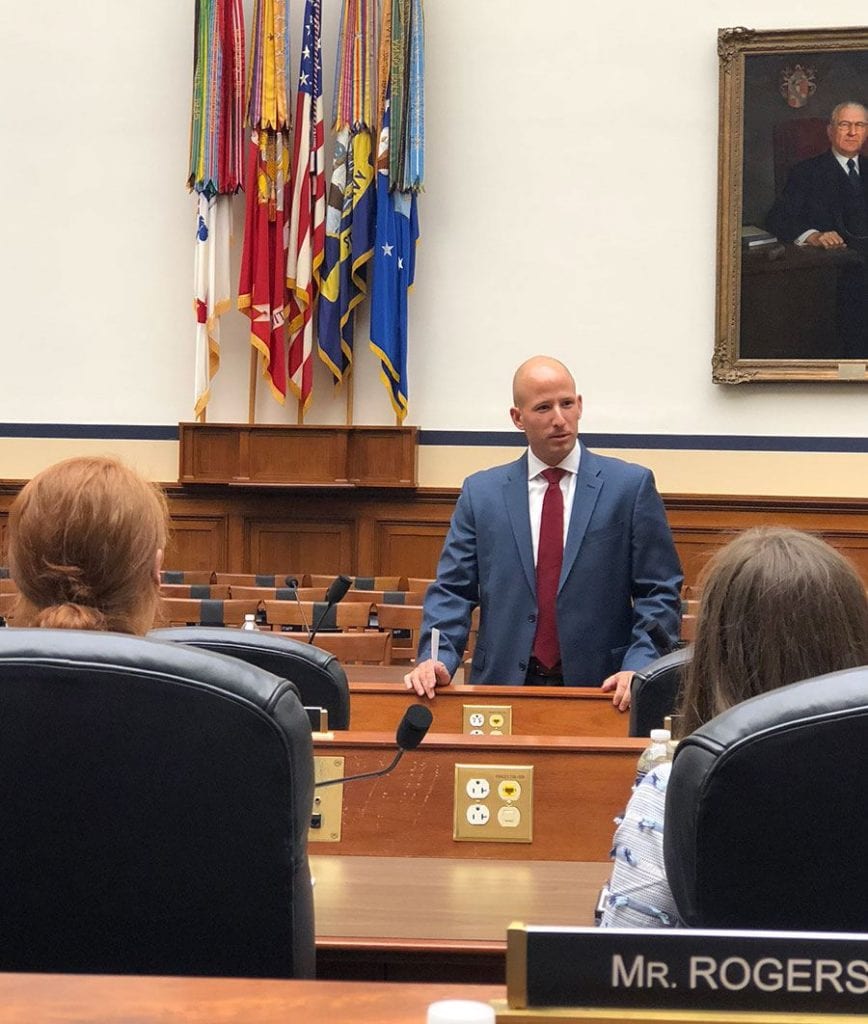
(338, 588)
(291, 582)
(413, 726)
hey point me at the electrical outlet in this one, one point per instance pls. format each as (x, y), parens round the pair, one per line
(328, 802)
(487, 719)
(493, 803)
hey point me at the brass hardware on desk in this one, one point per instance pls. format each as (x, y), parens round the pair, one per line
(486, 719)
(493, 803)
(328, 802)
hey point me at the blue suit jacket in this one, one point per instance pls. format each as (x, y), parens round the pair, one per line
(620, 571)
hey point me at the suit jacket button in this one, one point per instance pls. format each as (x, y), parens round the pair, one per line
(531, 618)
(523, 666)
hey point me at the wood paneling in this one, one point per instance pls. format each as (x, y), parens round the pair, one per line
(323, 546)
(297, 455)
(396, 532)
(536, 710)
(580, 785)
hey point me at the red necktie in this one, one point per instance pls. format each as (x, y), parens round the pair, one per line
(550, 556)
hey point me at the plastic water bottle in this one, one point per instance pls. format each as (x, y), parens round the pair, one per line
(657, 752)
(249, 622)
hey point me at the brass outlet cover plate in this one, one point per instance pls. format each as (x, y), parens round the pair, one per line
(486, 719)
(493, 803)
(328, 802)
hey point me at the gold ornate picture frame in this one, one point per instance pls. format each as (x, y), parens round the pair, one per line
(787, 309)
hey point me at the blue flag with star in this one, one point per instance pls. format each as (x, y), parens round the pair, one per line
(394, 269)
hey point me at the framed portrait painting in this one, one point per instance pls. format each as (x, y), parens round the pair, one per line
(792, 242)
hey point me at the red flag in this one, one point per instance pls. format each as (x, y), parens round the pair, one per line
(307, 221)
(262, 290)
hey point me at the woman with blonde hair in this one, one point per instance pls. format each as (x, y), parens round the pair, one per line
(777, 606)
(86, 542)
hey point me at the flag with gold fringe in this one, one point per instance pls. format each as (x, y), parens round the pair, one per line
(349, 236)
(262, 290)
(307, 218)
(216, 138)
(400, 176)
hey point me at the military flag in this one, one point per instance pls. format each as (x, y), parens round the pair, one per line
(307, 217)
(216, 140)
(262, 290)
(349, 236)
(399, 180)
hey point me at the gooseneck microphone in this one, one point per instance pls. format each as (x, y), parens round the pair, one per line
(292, 583)
(336, 592)
(410, 733)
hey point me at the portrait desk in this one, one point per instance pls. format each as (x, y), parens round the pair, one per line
(378, 698)
(397, 897)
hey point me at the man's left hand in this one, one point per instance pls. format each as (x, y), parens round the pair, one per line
(620, 683)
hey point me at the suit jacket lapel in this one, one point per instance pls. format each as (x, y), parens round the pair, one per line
(588, 484)
(515, 496)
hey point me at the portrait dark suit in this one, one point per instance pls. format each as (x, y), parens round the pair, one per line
(818, 194)
(620, 572)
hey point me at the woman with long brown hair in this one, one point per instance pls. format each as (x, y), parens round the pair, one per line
(777, 606)
(86, 542)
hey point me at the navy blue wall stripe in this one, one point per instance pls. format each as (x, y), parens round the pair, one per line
(479, 438)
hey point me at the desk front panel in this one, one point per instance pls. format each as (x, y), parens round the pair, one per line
(580, 785)
(536, 710)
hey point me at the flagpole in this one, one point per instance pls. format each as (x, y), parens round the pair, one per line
(350, 378)
(251, 396)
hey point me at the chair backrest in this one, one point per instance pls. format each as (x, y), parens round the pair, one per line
(7, 604)
(362, 582)
(765, 811)
(154, 809)
(277, 593)
(8, 586)
(317, 674)
(188, 577)
(180, 611)
(305, 614)
(654, 691)
(368, 648)
(405, 622)
(196, 591)
(248, 579)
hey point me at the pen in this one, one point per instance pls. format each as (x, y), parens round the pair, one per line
(435, 644)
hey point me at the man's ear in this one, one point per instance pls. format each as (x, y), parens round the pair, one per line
(579, 405)
(515, 416)
(158, 565)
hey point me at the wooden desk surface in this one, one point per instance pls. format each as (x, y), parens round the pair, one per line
(81, 999)
(422, 903)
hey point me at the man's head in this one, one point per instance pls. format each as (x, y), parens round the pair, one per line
(848, 128)
(546, 407)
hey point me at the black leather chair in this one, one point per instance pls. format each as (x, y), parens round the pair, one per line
(154, 809)
(765, 811)
(654, 691)
(317, 674)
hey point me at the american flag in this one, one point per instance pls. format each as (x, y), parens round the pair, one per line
(307, 221)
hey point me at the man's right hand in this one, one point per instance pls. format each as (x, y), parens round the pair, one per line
(826, 240)
(426, 677)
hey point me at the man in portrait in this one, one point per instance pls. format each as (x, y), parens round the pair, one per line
(824, 205)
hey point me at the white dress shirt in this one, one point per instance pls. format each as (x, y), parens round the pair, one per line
(537, 485)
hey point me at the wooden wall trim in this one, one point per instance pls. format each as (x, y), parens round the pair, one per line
(400, 532)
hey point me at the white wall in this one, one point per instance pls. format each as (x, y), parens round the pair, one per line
(561, 214)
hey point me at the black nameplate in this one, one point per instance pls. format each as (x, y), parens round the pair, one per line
(685, 968)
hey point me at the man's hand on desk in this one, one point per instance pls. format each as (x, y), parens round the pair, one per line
(620, 684)
(826, 240)
(426, 677)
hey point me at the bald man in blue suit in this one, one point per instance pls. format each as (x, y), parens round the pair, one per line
(618, 603)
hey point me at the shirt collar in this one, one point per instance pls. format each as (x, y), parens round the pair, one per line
(535, 466)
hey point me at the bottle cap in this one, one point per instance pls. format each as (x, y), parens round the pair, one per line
(660, 735)
(460, 1011)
